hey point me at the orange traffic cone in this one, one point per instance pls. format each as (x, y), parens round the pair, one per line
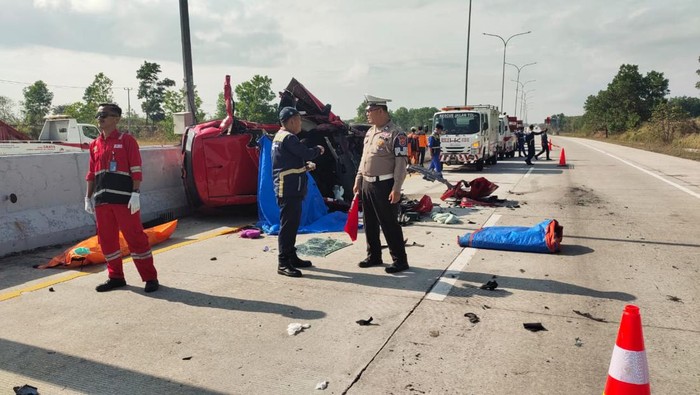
(562, 158)
(629, 371)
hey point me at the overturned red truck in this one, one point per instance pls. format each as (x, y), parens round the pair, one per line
(220, 158)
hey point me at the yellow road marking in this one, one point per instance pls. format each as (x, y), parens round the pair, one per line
(74, 275)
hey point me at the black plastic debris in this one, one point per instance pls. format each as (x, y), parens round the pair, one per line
(51, 289)
(212, 259)
(490, 285)
(26, 390)
(674, 298)
(534, 326)
(589, 316)
(186, 358)
(473, 318)
(364, 322)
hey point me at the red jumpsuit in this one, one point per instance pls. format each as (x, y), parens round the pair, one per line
(115, 162)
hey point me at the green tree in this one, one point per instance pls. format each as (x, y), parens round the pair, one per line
(152, 90)
(691, 105)
(697, 84)
(100, 91)
(627, 102)
(7, 112)
(37, 103)
(667, 119)
(361, 114)
(254, 100)
(174, 101)
(220, 107)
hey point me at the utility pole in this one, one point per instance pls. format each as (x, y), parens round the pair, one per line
(187, 58)
(128, 109)
(469, 29)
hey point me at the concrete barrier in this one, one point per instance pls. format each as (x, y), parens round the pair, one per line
(42, 196)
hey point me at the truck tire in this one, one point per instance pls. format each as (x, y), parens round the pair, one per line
(480, 165)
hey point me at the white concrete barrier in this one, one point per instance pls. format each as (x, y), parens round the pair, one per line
(42, 196)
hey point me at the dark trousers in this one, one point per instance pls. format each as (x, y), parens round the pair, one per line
(530, 153)
(421, 155)
(521, 148)
(290, 217)
(378, 212)
(545, 149)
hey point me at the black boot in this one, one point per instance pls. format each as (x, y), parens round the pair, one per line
(286, 268)
(298, 262)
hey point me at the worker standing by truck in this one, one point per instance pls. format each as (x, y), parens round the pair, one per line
(289, 167)
(434, 144)
(113, 181)
(422, 145)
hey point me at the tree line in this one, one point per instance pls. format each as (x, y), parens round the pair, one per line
(631, 100)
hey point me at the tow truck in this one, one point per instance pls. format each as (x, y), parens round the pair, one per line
(471, 135)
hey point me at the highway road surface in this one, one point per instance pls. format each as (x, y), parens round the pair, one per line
(218, 325)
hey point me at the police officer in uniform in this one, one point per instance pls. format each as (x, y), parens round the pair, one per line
(379, 179)
(289, 166)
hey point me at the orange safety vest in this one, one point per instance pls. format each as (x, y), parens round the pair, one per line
(422, 141)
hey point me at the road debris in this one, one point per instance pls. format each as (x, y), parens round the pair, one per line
(578, 342)
(295, 327)
(674, 298)
(51, 289)
(589, 316)
(434, 333)
(534, 326)
(212, 258)
(473, 318)
(186, 358)
(490, 285)
(322, 385)
(364, 322)
(26, 390)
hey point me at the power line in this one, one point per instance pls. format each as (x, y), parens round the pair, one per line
(51, 85)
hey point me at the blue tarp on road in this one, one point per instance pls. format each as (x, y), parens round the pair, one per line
(544, 237)
(314, 214)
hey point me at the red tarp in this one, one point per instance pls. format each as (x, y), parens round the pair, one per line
(7, 132)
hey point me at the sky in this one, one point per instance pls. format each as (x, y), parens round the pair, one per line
(411, 51)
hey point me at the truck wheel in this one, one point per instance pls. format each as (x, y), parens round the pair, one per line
(480, 165)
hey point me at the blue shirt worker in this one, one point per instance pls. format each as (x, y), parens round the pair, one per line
(113, 196)
(289, 166)
(380, 176)
(434, 144)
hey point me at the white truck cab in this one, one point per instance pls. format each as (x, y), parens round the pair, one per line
(60, 133)
(471, 135)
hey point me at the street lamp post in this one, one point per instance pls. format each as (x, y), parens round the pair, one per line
(515, 110)
(469, 29)
(128, 109)
(522, 93)
(505, 45)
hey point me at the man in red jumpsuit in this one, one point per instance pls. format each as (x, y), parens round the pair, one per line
(113, 181)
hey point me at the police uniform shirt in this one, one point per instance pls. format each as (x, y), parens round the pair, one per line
(384, 152)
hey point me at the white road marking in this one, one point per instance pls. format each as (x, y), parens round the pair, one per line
(671, 183)
(528, 172)
(442, 288)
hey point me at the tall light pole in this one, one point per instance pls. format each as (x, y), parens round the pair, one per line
(515, 111)
(469, 29)
(505, 45)
(187, 59)
(522, 97)
(525, 102)
(128, 108)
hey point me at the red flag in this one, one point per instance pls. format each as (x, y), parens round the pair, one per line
(353, 218)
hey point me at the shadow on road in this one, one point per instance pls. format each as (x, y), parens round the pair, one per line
(198, 299)
(543, 285)
(83, 375)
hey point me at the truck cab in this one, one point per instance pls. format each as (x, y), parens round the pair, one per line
(60, 133)
(506, 139)
(471, 135)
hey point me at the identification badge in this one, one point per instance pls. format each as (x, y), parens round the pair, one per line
(113, 165)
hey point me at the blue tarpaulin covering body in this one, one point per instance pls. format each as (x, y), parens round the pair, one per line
(513, 238)
(314, 214)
